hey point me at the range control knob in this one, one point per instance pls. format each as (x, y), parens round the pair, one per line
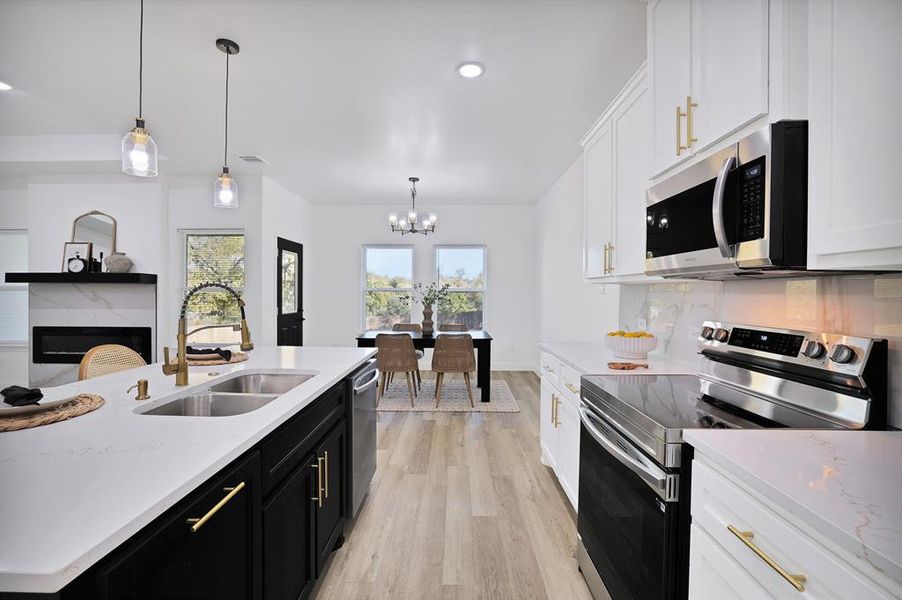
(707, 332)
(706, 422)
(842, 354)
(815, 349)
(721, 334)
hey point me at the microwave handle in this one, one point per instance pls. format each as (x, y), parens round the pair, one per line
(720, 232)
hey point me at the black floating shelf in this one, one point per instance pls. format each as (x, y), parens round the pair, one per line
(81, 278)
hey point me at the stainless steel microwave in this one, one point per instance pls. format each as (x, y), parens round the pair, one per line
(741, 212)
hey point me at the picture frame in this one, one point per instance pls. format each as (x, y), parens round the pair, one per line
(76, 257)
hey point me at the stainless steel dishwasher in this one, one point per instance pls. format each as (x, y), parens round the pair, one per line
(362, 433)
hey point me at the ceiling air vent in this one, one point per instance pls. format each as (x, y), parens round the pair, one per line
(253, 158)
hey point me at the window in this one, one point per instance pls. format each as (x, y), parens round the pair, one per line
(214, 256)
(463, 268)
(388, 281)
(13, 296)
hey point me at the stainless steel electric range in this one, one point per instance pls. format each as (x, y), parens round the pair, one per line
(634, 471)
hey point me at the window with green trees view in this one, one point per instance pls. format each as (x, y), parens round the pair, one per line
(389, 281)
(463, 268)
(214, 256)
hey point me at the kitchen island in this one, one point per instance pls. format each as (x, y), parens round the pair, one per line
(75, 491)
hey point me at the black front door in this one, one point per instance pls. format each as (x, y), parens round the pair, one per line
(289, 288)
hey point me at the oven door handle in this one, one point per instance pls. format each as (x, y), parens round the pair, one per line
(720, 231)
(653, 476)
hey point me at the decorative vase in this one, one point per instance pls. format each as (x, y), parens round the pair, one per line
(427, 319)
(118, 262)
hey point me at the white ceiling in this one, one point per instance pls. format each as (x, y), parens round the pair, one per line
(344, 100)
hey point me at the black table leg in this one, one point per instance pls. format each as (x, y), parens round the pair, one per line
(483, 369)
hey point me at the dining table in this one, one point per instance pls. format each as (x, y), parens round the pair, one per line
(482, 342)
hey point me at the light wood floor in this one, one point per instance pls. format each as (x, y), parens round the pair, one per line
(461, 508)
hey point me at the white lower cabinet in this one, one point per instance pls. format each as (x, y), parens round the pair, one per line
(742, 547)
(559, 429)
(714, 574)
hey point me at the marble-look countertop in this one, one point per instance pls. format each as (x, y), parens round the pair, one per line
(847, 485)
(72, 491)
(592, 358)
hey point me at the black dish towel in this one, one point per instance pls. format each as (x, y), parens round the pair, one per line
(225, 354)
(16, 395)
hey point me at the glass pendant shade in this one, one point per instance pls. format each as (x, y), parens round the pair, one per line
(139, 152)
(225, 191)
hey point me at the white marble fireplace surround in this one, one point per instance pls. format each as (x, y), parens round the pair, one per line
(866, 305)
(88, 304)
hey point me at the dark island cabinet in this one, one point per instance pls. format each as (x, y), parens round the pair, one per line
(288, 535)
(261, 528)
(206, 549)
(331, 459)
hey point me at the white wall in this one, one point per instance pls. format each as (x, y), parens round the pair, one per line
(569, 309)
(286, 215)
(13, 215)
(334, 264)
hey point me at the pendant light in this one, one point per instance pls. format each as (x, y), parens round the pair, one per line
(139, 151)
(225, 190)
(409, 224)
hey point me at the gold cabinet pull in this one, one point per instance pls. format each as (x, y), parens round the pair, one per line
(607, 249)
(572, 388)
(690, 139)
(196, 524)
(326, 468)
(610, 258)
(556, 407)
(679, 141)
(797, 581)
(319, 482)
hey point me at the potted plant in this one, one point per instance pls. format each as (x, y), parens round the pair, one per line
(429, 296)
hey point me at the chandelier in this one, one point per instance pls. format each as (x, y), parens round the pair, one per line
(411, 223)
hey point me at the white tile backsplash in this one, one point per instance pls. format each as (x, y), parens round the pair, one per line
(866, 305)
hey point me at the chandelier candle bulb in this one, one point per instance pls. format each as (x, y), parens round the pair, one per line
(392, 218)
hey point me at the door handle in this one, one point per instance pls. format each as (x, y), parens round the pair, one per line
(326, 475)
(319, 482)
(196, 524)
(720, 232)
(689, 106)
(369, 383)
(795, 580)
(679, 142)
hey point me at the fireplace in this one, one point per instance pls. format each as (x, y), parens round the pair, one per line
(67, 345)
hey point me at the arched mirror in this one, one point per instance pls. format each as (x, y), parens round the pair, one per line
(98, 228)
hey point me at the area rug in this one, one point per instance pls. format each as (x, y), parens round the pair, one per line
(454, 398)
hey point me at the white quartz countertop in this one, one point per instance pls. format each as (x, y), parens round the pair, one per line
(847, 485)
(591, 358)
(72, 491)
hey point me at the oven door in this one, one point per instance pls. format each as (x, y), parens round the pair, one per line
(626, 526)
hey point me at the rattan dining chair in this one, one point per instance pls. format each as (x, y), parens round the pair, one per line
(108, 358)
(395, 354)
(415, 328)
(453, 354)
(452, 327)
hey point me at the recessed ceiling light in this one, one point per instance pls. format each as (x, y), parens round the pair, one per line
(470, 70)
(5, 86)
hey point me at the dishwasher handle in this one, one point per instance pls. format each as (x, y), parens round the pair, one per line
(358, 389)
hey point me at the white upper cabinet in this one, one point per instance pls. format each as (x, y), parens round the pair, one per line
(855, 134)
(729, 61)
(709, 73)
(598, 201)
(617, 160)
(670, 76)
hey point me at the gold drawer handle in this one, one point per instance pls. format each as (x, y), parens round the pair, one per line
(319, 482)
(679, 142)
(196, 524)
(570, 387)
(745, 537)
(326, 476)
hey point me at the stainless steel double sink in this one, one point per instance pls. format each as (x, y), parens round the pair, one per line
(234, 396)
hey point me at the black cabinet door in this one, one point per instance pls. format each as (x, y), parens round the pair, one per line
(332, 457)
(288, 535)
(206, 547)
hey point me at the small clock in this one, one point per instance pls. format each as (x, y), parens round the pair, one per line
(77, 264)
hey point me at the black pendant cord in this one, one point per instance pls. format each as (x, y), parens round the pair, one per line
(141, 65)
(225, 158)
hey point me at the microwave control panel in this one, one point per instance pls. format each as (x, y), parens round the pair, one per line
(751, 200)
